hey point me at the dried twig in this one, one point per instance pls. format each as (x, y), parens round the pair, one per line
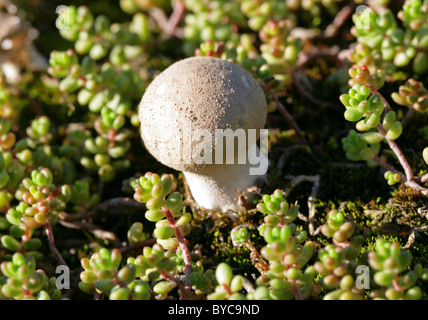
(341, 17)
(314, 192)
(51, 240)
(288, 117)
(257, 260)
(306, 58)
(410, 113)
(86, 226)
(412, 236)
(141, 244)
(106, 207)
(247, 285)
(331, 30)
(308, 95)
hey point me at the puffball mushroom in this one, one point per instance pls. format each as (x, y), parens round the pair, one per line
(185, 115)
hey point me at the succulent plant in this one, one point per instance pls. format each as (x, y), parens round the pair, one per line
(78, 190)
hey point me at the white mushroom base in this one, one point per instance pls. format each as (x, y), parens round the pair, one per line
(221, 187)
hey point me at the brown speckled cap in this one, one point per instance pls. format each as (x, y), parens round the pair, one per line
(197, 93)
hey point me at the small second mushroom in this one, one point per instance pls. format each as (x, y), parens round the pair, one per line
(181, 114)
(17, 50)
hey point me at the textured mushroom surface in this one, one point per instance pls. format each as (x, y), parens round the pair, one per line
(197, 93)
(16, 46)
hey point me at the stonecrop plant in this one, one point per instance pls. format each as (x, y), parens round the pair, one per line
(377, 121)
(383, 43)
(329, 220)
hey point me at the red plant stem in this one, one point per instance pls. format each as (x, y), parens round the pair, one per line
(401, 158)
(415, 186)
(396, 286)
(50, 235)
(26, 236)
(111, 137)
(178, 283)
(175, 17)
(227, 288)
(410, 178)
(341, 17)
(169, 25)
(183, 247)
(385, 102)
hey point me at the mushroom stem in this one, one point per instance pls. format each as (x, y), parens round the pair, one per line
(218, 189)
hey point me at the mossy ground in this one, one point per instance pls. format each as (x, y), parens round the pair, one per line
(360, 192)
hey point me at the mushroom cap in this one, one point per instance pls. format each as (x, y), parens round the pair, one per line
(198, 93)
